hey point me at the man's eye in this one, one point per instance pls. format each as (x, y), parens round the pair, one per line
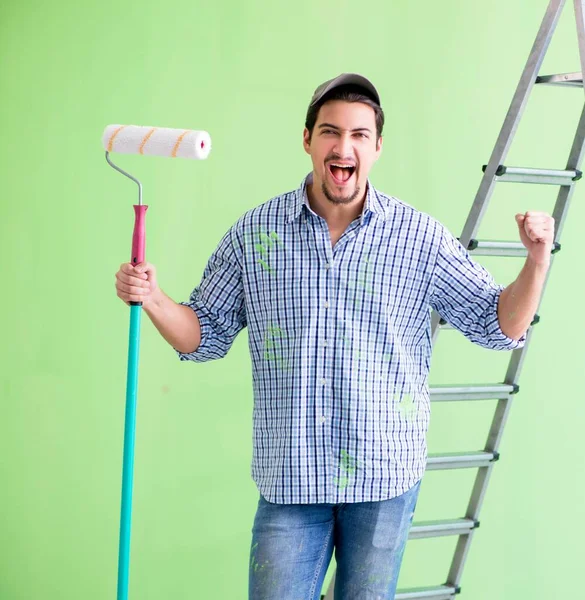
(328, 131)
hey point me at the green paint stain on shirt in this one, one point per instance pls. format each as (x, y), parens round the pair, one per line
(265, 265)
(263, 243)
(274, 350)
(275, 331)
(265, 238)
(275, 237)
(363, 281)
(348, 463)
(348, 466)
(407, 407)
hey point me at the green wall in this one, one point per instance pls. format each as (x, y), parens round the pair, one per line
(245, 71)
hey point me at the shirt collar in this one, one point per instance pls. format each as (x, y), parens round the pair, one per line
(373, 205)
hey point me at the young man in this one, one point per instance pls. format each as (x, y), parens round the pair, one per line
(335, 282)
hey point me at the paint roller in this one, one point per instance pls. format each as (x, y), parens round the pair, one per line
(154, 141)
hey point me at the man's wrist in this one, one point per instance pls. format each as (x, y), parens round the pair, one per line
(538, 266)
(155, 302)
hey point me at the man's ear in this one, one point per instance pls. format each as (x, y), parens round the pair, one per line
(379, 148)
(307, 141)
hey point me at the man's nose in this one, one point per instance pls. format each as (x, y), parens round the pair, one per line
(344, 147)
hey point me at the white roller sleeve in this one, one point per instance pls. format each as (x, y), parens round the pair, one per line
(157, 141)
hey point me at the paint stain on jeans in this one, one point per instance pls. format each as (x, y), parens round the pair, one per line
(254, 564)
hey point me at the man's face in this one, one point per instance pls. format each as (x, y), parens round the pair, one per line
(344, 135)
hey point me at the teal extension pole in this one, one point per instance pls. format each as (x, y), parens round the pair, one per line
(137, 256)
(129, 439)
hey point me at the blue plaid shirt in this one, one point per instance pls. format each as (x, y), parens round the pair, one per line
(340, 339)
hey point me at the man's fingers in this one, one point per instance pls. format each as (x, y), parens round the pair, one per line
(127, 268)
(131, 269)
(144, 267)
(536, 213)
(134, 283)
(131, 289)
(130, 297)
(540, 226)
(532, 215)
(132, 280)
(539, 235)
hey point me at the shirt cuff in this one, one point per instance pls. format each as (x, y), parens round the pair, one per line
(499, 340)
(200, 354)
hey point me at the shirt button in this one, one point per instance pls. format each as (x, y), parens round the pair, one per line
(326, 304)
(323, 419)
(327, 265)
(323, 381)
(325, 343)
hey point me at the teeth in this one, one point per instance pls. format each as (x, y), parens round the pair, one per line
(342, 166)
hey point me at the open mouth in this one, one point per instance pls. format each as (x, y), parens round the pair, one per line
(340, 172)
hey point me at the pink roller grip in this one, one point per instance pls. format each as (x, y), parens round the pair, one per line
(139, 235)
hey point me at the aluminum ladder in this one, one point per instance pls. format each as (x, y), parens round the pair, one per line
(494, 172)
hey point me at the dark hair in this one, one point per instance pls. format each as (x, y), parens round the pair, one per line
(346, 93)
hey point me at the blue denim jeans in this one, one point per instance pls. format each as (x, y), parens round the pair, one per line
(292, 545)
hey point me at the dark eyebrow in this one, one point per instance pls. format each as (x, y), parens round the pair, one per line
(335, 127)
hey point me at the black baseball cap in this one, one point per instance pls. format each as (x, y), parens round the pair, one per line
(346, 79)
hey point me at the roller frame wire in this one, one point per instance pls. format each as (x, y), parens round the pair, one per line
(127, 175)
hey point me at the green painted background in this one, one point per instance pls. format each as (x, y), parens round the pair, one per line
(245, 71)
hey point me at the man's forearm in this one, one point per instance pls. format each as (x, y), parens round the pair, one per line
(519, 301)
(177, 323)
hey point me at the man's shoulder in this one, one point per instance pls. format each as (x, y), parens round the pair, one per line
(392, 204)
(270, 212)
(274, 206)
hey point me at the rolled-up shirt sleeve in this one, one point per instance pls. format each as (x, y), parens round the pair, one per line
(465, 294)
(218, 302)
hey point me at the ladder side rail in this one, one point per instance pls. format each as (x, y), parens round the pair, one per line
(579, 7)
(512, 376)
(509, 127)
(512, 120)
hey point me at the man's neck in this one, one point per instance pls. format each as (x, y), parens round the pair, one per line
(336, 215)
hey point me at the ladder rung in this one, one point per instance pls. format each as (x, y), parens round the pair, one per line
(541, 176)
(431, 529)
(461, 460)
(496, 391)
(496, 248)
(439, 592)
(565, 79)
(444, 325)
